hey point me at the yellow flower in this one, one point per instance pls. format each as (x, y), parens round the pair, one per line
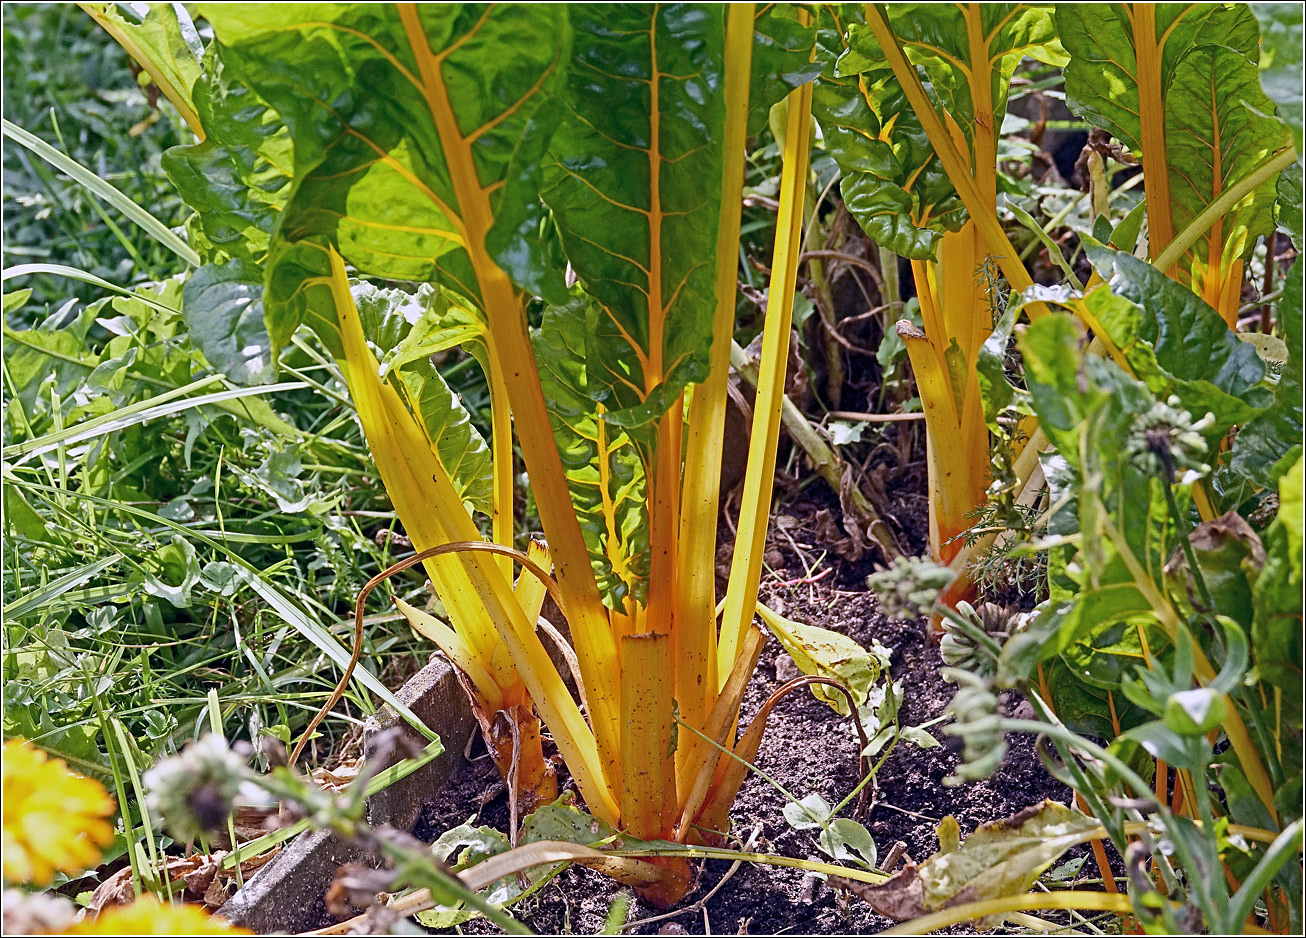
(53, 819)
(149, 916)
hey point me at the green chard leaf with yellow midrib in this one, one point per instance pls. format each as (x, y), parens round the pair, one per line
(1220, 126)
(416, 325)
(893, 183)
(633, 178)
(606, 472)
(372, 175)
(1197, 64)
(369, 172)
(1102, 75)
(238, 178)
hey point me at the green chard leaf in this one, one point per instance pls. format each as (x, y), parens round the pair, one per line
(412, 138)
(163, 42)
(1281, 61)
(1220, 127)
(632, 177)
(782, 59)
(414, 326)
(1176, 343)
(937, 38)
(1277, 627)
(237, 179)
(379, 106)
(1179, 86)
(892, 183)
(1102, 76)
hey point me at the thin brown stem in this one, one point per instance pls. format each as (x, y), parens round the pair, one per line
(852, 259)
(485, 546)
(1267, 287)
(803, 680)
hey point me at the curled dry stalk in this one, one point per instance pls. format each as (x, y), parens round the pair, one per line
(758, 726)
(357, 653)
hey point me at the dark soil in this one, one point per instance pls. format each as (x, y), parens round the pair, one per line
(808, 748)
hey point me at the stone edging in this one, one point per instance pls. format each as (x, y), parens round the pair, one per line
(286, 895)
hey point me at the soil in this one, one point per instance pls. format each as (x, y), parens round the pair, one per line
(808, 748)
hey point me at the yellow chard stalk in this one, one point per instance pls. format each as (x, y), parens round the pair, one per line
(695, 637)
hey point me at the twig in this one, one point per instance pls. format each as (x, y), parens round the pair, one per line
(802, 558)
(1267, 324)
(894, 807)
(513, 771)
(870, 313)
(569, 655)
(803, 580)
(863, 763)
(816, 208)
(832, 328)
(852, 259)
(875, 418)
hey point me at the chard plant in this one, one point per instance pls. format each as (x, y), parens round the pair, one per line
(911, 100)
(1134, 644)
(571, 214)
(921, 177)
(400, 141)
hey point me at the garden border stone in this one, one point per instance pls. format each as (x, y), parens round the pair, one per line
(286, 895)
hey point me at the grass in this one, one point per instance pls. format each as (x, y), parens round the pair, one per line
(155, 568)
(70, 86)
(171, 540)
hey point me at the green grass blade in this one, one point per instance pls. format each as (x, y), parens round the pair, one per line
(164, 405)
(319, 636)
(215, 726)
(115, 197)
(1284, 850)
(134, 774)
(55, 588)
(75, 273)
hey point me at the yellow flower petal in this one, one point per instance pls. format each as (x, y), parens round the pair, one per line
(149, 916)
(54, 820)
